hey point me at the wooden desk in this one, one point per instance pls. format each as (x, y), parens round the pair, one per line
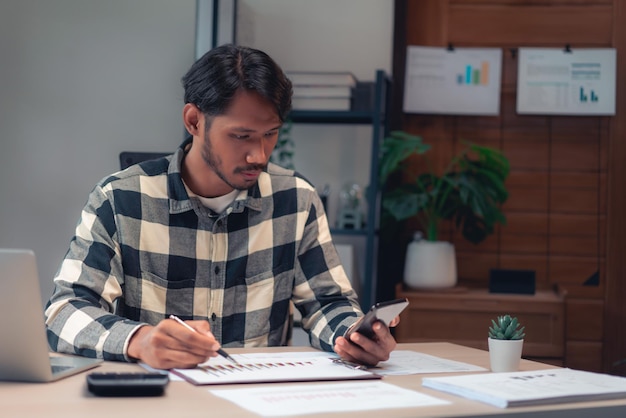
(69, 397)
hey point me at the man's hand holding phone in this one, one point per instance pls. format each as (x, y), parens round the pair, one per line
(369, 340)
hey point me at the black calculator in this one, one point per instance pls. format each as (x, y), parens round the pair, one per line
(127, 384)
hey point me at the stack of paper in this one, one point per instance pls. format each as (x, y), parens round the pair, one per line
(535, 387)
(322, 90)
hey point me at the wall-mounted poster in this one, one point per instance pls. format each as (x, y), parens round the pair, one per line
(461, 81)
(566, 81)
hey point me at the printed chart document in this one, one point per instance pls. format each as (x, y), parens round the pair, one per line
(316, 365)
(559, 82)
(298, 400)
(459, 81)
(537, 387)
(273, 367)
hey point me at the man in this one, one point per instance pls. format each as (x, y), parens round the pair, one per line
(212, 234)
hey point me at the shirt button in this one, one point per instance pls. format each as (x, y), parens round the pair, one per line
(213, 316)
(217, 270)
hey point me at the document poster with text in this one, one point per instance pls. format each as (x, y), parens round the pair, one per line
(455, 81)
(556, 81)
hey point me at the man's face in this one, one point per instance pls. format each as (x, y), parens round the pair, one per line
(237, 144)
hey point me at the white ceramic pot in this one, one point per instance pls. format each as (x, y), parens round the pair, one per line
(505, 355)
(430, 264)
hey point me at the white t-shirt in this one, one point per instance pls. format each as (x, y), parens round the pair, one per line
(216, 204)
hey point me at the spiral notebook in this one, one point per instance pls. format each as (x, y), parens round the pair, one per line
(274, 367)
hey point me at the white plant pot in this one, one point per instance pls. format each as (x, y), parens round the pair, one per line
(430, 265)
(505, 355)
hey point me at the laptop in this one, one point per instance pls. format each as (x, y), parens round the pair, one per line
(24, 351)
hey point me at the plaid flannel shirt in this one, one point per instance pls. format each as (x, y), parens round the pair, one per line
(144, 249)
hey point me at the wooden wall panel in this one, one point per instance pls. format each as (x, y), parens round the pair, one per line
(495, 24)
(573, 225)
(574, 246)
(528, 192)
(533, 2)
(526, 151)
(615, 311)
(524, 243)
(519, 223)
(426, 11)
(572, 269)
(475, 265)
(566, 204)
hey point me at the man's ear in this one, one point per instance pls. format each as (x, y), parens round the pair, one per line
(192, 118)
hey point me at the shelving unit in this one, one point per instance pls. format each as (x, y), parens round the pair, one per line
(376, 117)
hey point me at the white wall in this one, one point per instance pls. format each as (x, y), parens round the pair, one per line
(81, 81)
(325, 35)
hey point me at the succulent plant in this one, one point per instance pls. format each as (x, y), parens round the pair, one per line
(506, 327)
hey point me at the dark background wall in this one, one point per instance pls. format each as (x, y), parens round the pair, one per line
(566, 206)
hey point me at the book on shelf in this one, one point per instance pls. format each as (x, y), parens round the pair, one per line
(321, 78)
(320, 103)
(364, 96)
(322, 91)
(536, 387)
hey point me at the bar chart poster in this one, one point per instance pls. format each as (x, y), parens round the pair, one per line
(556, 81)
(459, 81)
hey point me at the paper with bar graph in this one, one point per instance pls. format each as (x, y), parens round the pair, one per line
(562, 81)
(273, 367)
(461, 81)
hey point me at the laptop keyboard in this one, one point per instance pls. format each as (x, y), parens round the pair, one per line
(59, 369)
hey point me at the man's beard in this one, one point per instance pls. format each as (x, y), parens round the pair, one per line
(215, 163)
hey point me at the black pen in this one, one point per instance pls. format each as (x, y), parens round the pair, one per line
(219, 351)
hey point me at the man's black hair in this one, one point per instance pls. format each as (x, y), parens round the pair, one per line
(213, 80)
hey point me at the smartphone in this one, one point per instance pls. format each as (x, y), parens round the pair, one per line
(127, 384)
(382, 311)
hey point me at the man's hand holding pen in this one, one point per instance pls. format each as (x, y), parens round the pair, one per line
(219, 350)
(170, 345)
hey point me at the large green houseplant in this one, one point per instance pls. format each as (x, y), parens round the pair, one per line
(469, 192)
